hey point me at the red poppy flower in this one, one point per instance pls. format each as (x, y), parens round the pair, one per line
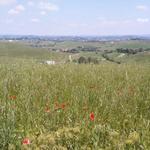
(12, 97)
(92, 116)
(63, 106)
(26, 141)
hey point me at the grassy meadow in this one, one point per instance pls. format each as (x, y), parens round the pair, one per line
(73, 107)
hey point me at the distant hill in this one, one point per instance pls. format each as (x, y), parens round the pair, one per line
(75, 38)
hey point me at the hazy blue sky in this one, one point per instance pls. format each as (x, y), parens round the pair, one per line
(75, 17)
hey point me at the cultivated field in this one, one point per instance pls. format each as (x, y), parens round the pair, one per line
(54, 51)
(70, 106)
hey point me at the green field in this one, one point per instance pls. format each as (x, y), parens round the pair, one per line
(53, 105)
(24, 50)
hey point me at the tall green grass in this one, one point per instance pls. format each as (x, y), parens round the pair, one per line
(51, 106)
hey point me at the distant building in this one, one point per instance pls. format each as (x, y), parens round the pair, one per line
(70, 58)
(50, 62)
(121, 55)
(112, 42)
(10, 41)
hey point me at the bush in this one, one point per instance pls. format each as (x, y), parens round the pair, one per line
(92, 60)
(82, 60)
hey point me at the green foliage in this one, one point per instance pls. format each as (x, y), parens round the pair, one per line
(82, 60)
(51, 106)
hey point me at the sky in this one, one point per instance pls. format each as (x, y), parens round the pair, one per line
(75, 17)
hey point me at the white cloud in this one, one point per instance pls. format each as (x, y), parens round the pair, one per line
(43, 13)
(46, 6)
(142, 7)
(13, 12)
(20, 8)
(143, 20)
(35, 20)
(7, 2)
(17, 10)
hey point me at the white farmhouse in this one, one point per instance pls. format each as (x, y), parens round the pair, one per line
(50, 62)
(10, 41)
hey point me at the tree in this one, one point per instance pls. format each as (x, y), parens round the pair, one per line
(82, 60)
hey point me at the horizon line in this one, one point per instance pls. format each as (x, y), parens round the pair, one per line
(75, 35)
